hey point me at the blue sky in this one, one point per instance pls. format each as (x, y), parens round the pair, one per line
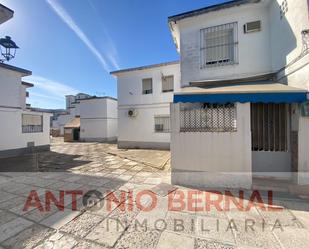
(71, 45)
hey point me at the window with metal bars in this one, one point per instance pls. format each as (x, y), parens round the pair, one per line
(219, 45)
(32, 123)
(269, 127)
(204, 117)
(162, 123)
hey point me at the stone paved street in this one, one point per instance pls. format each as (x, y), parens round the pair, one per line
(118, 212)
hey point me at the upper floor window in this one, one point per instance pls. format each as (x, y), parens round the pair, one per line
(32, 123)
(168, 83)
(147, 86)
(219, 45)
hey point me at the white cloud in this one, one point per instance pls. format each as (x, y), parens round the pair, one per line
(53, 89)
(67, 19)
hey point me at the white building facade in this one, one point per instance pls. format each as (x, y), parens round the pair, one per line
(22, 131)
(244, 82)
(98, 119)
(144, 97)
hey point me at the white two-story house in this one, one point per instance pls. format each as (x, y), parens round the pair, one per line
(22, 131)
(241, 111)
(144, 97)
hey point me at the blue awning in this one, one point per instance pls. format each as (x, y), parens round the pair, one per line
(267, 93)
(242, 98)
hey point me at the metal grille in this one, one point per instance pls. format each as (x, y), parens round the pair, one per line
(162, 124)
(32, 123)
(305, 38)
(219, 45)
(269, 127)
(204, 117)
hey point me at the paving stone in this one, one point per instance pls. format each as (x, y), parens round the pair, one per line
(82, 225)
(163, 189)
(119, 171)
(135, 238)
(29, 237)
(153, 181)
(285, 217)
(64, 242)
(170, 240)
(124, 177)
(9, 204)
(13, 227)
(244, 215)
(137, 179)
(292, 238)
(88, 245)
(5, 196)
(107, 232)
(154, 218)
(6, 217)
(59, 219)
(261, 236)
(211, 244)
(37, 215)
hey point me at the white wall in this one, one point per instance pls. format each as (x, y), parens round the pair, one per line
(11, 130)
(253, 48)
(98, 119)
(129, 85)
(303, 155)
(199, 158)
(11, 88)
(286, 38)
(141, 128)
(139, 131)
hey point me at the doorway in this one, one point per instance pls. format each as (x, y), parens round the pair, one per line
(270, 134)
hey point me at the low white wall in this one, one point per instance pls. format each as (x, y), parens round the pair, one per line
(140, 130)
(11, 130)
(212, 159)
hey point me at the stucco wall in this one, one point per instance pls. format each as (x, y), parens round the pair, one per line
(11, 130)
(253, 48)
(10, 83)
(209, 158)
(303, 155)
(98, 119)
(139, 131)
(285, 36)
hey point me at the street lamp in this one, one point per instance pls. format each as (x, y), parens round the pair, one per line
(9, 46)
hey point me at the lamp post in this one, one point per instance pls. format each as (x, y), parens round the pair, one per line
(8, 48)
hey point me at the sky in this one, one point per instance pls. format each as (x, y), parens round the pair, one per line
(72, 45)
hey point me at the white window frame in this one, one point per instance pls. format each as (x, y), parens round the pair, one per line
(147, 91)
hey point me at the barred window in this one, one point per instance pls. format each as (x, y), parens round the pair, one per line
(219, 45)
(162, 123)
(32, 123)
(168, 83)
(147, 86)
(204, 117)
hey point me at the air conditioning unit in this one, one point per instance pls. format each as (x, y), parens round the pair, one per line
(132, 113)
(252, 27)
